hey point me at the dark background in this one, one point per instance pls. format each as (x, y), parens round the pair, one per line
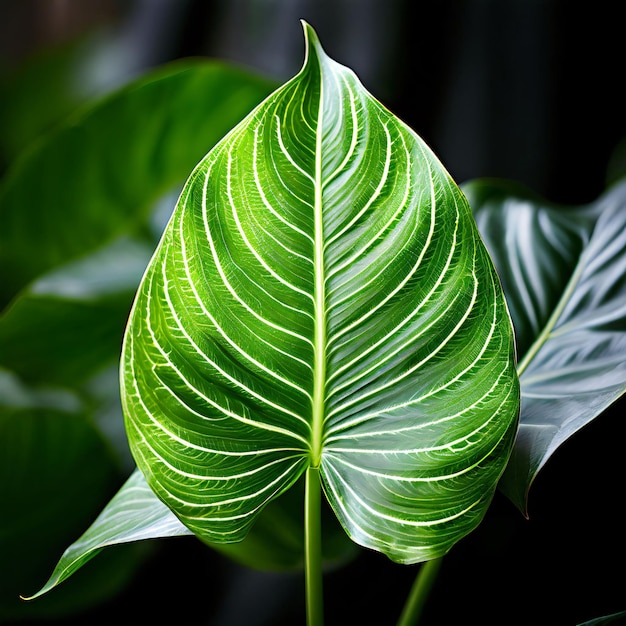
(529, 90)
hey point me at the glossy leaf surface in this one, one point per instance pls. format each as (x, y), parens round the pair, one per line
(321, 297)
(564, 274)
(133, 514)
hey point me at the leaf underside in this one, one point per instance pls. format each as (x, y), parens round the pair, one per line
(321, 297)
(562, 270)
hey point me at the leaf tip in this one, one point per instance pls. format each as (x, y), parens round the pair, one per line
(309, 32)
(34, 595)
(52, 582)
(311, 42)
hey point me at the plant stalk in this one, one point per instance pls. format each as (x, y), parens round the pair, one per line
(420, 590)
(313, 548)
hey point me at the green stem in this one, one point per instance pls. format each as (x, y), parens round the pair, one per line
(418, 595)
(313, 548)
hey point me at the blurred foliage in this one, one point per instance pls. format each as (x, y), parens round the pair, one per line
(36, 96)
(52, 460)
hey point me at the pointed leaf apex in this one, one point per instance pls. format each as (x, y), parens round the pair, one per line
(312, 44)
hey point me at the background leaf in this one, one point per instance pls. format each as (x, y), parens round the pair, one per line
(68, 324)
(321, 296)
(51, 458)
(564, 273)
(97, 177)
(73, 235)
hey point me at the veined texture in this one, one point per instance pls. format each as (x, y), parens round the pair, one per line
(321, 296)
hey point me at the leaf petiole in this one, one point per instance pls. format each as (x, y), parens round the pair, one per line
(313, 548)
(419, 592)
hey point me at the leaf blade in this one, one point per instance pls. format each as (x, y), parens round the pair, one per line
(319, 271)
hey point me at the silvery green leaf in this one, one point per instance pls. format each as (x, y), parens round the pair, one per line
(563, 270)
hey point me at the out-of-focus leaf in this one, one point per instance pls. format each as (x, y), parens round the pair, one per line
(564, 274)
(102, 393)
(96, 177)
(614, 618)
(68, 324)
(37, 95)
(56, 473)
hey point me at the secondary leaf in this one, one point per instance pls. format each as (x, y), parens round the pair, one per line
(69, 323)
(564, 274)
(98, 175)
(321, 297)
(44, 437)
(133, 514)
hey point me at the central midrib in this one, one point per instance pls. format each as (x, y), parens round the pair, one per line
(319, 369)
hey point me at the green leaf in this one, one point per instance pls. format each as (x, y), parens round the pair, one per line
(69, 323)
(99, 174)
(563, 272)
(321, 297)
(52, 460)
(133, 514)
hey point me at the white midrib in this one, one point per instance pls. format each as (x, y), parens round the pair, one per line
(319, 369)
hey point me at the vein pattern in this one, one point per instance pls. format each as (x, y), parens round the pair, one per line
(321, 297)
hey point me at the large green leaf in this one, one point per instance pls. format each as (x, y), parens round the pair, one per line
(564, 274)
(321, 297)
(99, 174)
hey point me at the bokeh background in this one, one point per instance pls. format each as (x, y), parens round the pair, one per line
(528, 90)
